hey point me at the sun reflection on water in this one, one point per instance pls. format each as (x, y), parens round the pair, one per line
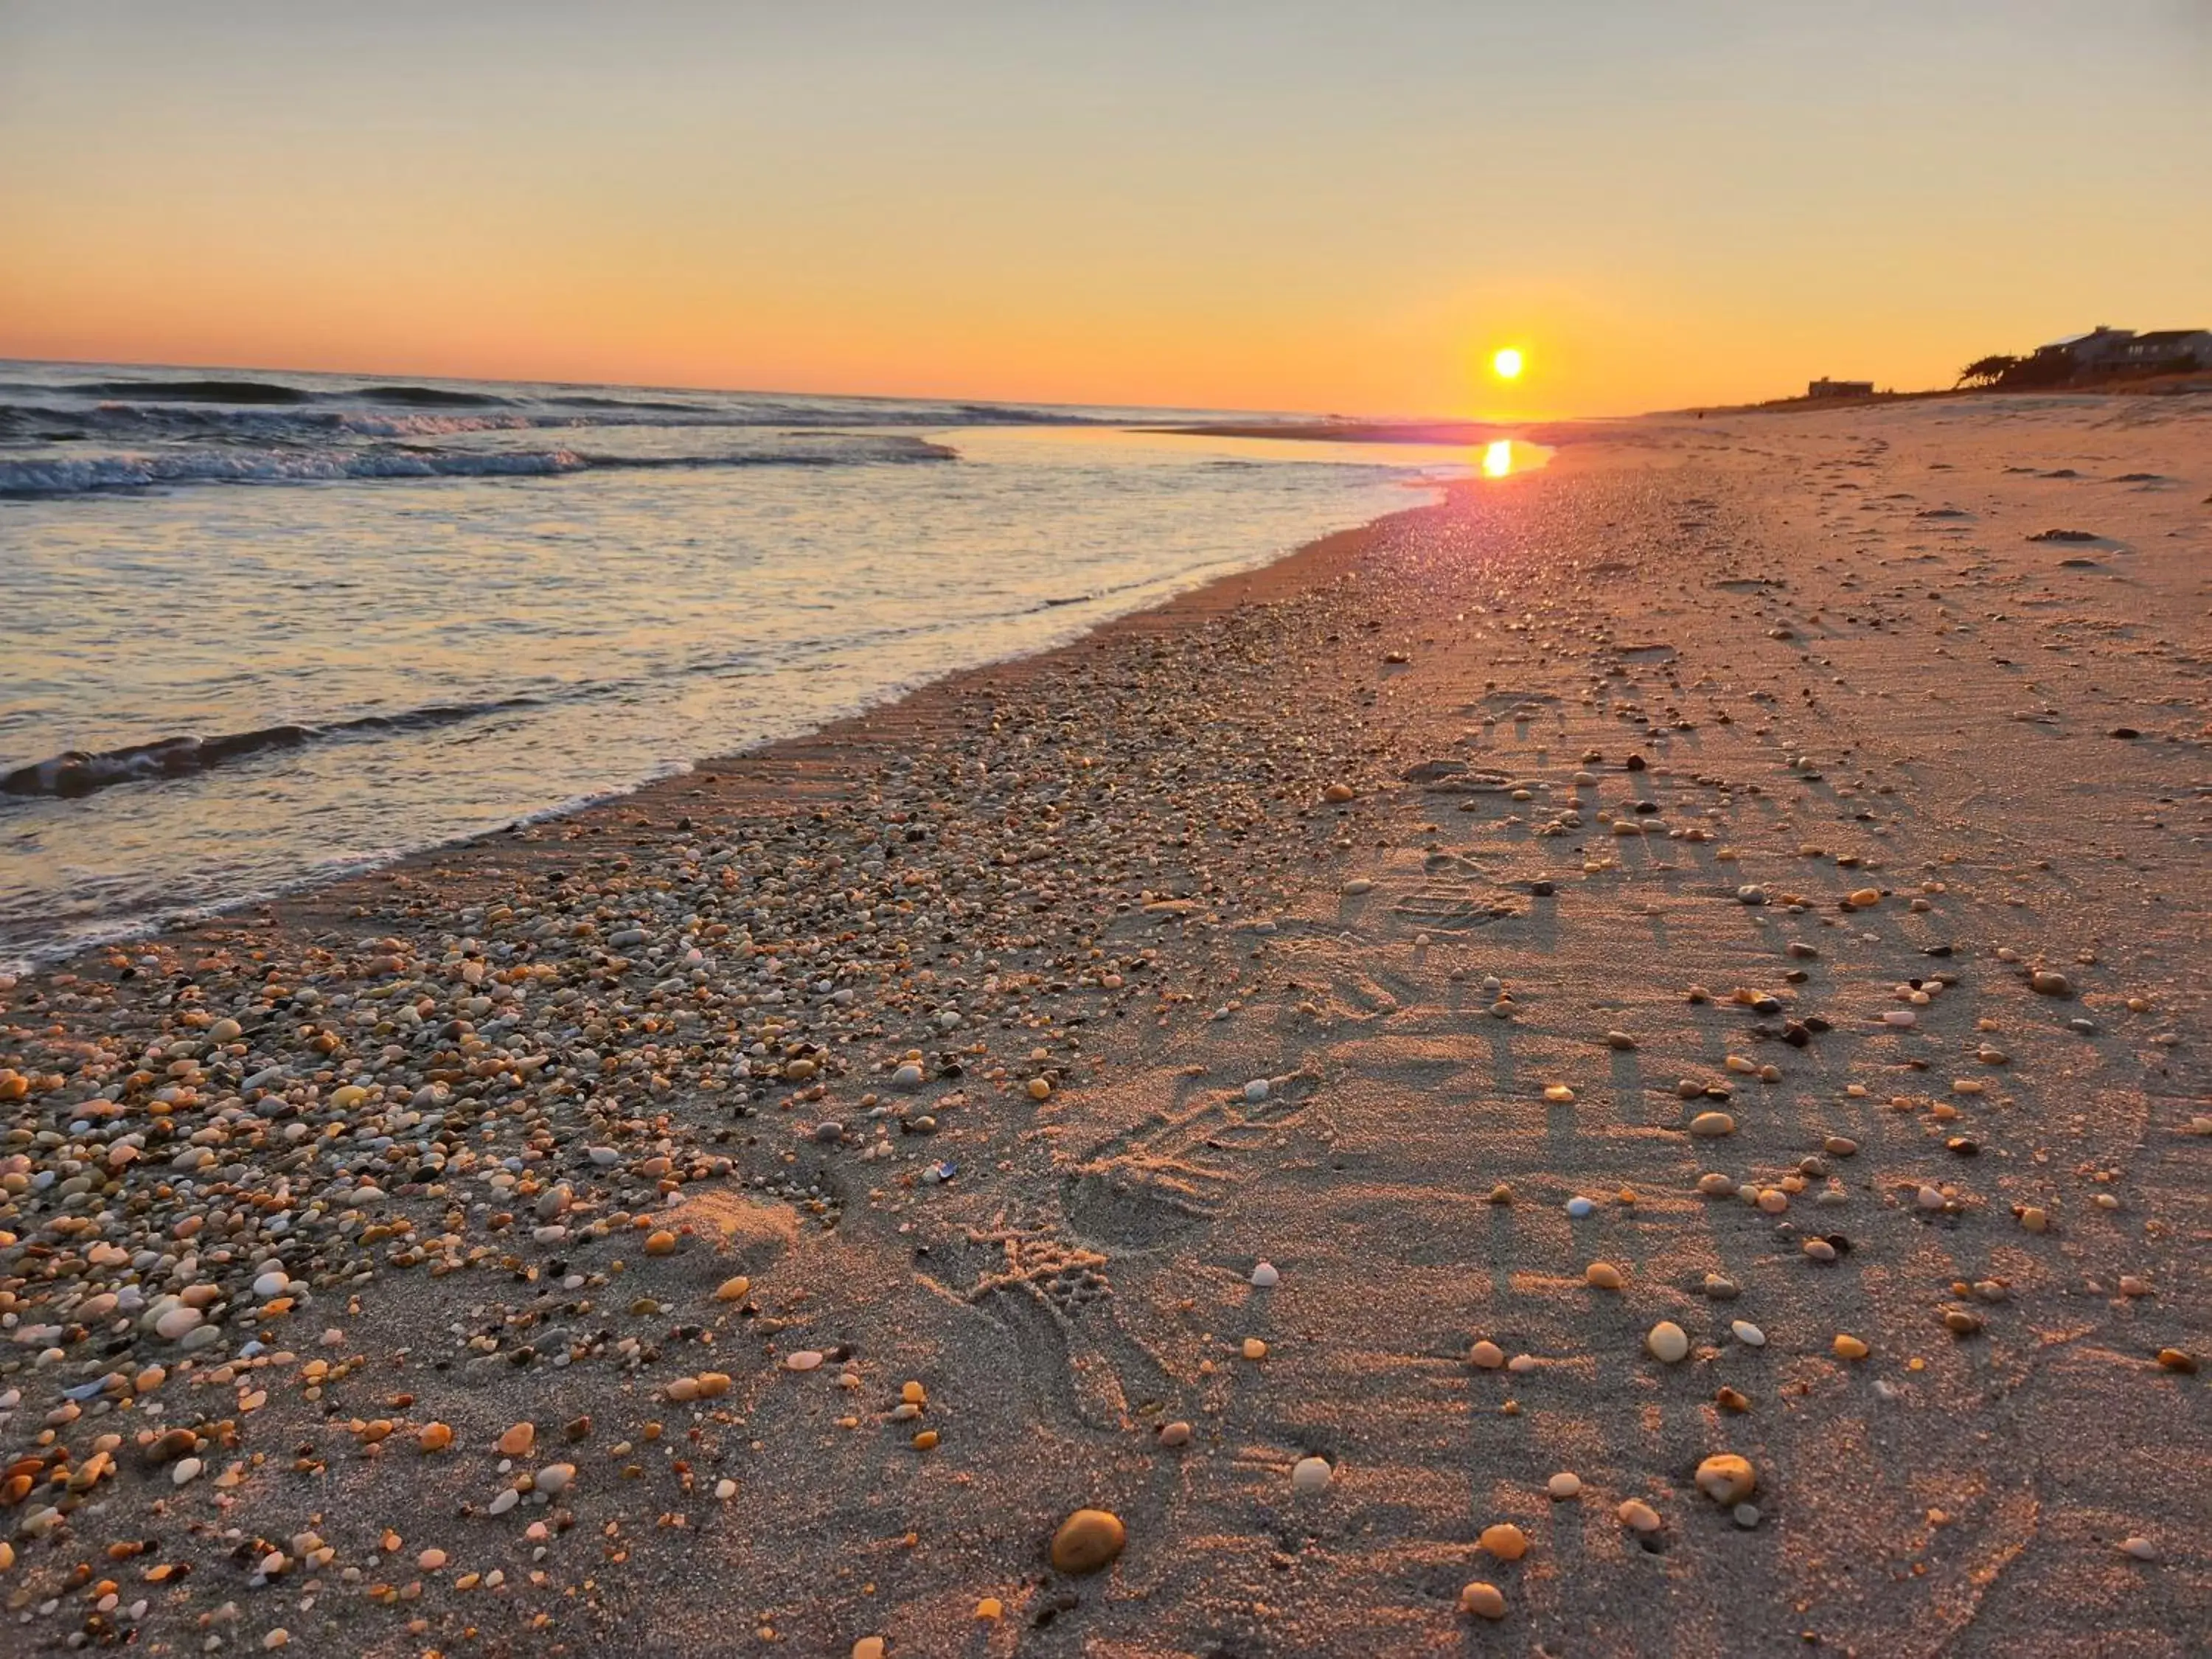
(1504, 457)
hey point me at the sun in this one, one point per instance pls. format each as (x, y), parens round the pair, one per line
(1507, 363)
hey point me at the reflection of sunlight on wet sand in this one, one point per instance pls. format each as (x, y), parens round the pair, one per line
(1503, 456)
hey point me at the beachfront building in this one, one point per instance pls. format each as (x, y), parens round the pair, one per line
(1825, 387)
(2106, 350)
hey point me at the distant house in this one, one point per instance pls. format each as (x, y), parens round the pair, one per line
(2165, 349)
(2104, 350)
(1825, 387)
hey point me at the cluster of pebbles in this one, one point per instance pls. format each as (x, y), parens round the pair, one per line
(223, 1151)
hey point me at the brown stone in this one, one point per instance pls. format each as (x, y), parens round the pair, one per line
(1087, 1540)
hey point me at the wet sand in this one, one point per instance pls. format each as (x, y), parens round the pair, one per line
(1381, 1044)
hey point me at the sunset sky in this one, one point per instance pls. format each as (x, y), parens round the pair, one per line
(1268, 205)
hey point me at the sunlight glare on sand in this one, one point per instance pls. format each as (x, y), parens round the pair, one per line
(1498, 459)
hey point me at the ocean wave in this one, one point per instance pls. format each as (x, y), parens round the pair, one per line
(77, 475)
(196, 391)
(429, 397)
(125, 423)
(586, 401)
(80, 773)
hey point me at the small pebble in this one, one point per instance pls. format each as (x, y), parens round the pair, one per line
(1505, 1540)
(1482, 1600)
(1563, 1486)
(1087, 1540)
(1667, 1342)
(1726, 1477)
(1311, 1474)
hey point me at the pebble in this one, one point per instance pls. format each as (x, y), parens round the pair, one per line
(1486, 1354)
(869, 1647)
(1639, 1517)
(1505, 1540)
(1726, 1477)
(1603, 1275)
(1712, 1125)
(1748, 1334)
(1563, 1486)
(734, 1290)
(802, 1359)
(1850, 1347)
(2143, 1549)
(1311, 1474)
(1578, 1207)
(554, 1478)
(1482, 1600)
(1175, 1434)
(1667, 1343)
(1265, 1277)
(518, 1440)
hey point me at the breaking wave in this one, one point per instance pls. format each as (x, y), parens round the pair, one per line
(80, 773)
(50, 474)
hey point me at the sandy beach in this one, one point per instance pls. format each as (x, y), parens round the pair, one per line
(1694, 953)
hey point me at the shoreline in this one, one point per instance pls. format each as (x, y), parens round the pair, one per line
(751, 1214)
(61, 955)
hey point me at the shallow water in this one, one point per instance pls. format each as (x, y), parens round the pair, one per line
(396, 616)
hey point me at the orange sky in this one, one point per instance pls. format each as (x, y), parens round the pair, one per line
(1279, 206)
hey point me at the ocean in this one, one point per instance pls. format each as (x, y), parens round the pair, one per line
(258, 628)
